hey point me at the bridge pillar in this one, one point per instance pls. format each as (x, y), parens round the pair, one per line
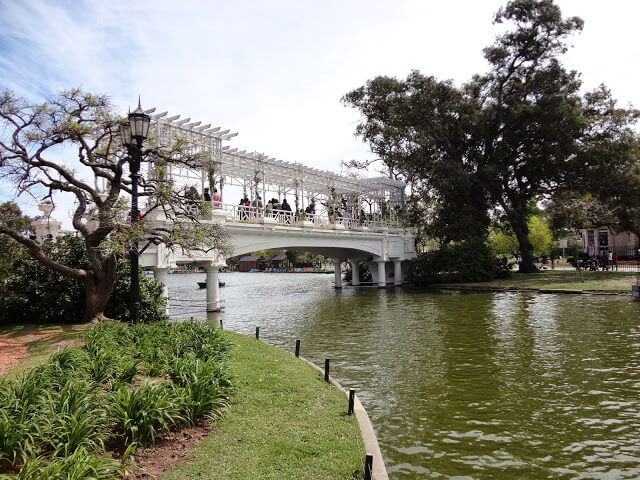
(397, 272)
(337, 266)
(162, 276)
(213, 289)
(382, 274)
(355, 273)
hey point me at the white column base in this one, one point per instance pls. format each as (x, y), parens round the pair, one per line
(213, 290)
(355, 273)
(337, 265)
(397, 272)
(382, 274)
(162, 276)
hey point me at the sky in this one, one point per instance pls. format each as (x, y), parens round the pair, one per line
(275, 71)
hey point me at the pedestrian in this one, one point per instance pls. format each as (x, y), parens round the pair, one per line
(217, 198)
(614, 259)
(287, 208)
(206, 195)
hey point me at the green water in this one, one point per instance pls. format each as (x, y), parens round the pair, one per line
(468, 386)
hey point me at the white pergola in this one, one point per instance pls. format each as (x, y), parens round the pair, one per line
(259, 174)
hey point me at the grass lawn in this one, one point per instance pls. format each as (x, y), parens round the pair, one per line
(284, 422)
(563, 280)
(41, 341)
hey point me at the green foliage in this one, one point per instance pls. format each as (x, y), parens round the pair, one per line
(503, 241)
(467, 261)
(518, 132)
(202, 385)
(142, 413)
(56, 420)
(33, 292)
(365, 273)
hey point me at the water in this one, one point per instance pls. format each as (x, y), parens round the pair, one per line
(462, 386)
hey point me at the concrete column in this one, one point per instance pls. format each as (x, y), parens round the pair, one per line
(162, 276)
(382, 275)
(213, 289)
(355, 273)
(337, 265)
(397, 272)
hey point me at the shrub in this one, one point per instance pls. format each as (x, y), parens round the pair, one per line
(33, 291)
(78, 464)
(467, 261)
(201, 385)
(142, 413)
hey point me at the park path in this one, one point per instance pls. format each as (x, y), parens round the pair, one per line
(12, 353)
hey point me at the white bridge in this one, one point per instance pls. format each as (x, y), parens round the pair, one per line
(359, 220)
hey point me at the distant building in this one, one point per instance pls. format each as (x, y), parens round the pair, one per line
(602, 240)
(251, 262)
(277, 261)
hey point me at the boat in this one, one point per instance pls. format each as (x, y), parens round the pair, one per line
(204, 284)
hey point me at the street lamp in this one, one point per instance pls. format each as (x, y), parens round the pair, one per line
(132, 136)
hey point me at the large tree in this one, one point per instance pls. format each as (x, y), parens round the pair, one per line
(507, 138)
(72, 144)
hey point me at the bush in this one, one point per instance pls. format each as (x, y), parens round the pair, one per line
(34, 293)
(141, 414)
(57, 420)
(468, 261)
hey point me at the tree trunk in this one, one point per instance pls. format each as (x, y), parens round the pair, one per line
(521, 231)
(98, 290)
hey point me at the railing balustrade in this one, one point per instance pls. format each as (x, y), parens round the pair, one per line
(253, 214)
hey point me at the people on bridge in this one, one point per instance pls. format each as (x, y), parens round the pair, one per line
(257, 202)
(287, 208)
(206, 195)
(217, 198)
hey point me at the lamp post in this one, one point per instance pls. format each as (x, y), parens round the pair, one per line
(132, 136)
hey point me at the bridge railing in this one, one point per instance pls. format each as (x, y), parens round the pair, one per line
(251, 214)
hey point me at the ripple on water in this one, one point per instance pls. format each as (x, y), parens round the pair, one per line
(478, 385)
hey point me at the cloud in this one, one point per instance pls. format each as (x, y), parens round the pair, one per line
(275, 71)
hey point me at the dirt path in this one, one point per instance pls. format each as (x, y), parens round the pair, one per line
(12, 353)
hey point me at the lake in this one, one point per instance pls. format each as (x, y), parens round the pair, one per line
(460, 386)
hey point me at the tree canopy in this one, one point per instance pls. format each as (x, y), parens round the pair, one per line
(504, 140)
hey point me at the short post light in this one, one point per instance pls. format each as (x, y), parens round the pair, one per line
(132, 136)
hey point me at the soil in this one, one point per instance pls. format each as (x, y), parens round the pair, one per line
(14, 350)
(153, 462)
(12, 353)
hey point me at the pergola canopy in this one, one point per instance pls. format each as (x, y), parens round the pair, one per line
(243, 168)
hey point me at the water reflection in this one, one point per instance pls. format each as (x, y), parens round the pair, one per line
(477, 385)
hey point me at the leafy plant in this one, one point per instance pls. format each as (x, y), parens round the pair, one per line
(201, 385)
(141, 414)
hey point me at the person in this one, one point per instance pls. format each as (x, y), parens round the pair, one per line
(242, 210)
(614, 261)
(269, 208)
(287, 208)
(257, 202)
(206, 195)
(217, 198)
(276, 204)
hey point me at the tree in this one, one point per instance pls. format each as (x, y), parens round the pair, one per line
(503, 241)
(518, 133)
(34, 293)
(34, 143)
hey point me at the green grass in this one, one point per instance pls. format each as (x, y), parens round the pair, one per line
(563, 280)
(284, 422)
